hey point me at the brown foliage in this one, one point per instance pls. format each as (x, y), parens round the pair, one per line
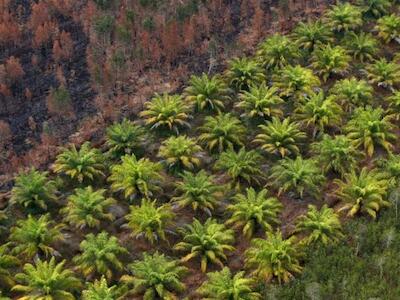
(10, 32)
(44, 33)
(13, 69)
(5, 134)
(63, 47)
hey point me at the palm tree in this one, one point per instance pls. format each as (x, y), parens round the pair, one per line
(198, 191)
(277, 51)
(33, 236)
(344, 17)
(33, 190)
(311, 34)
(100, 254)
(388, 27)
(280, 137)
(362, 46)
(179, 153)
(328, 60)
(391, 168)
(7, 263)
(87, 207)
(223, 285)
(254, 210)
(156, 277)
(85, 163)
(370, 127)
(243, 73)
(209, 241)
(384, 73)
(99, 290)
(319, 112)
(376, 8)
(351, 92)
(149, 220)
(165, 111)
(125, 138)
(364, 192)
(242, 166)
(134, 176)
(261, 101)
(320, 225)
(297, 175)
(208, 93)
(336, 154)
(394, 105)
(273, 257)
(221, 132)
(295, 81)
(47, 280)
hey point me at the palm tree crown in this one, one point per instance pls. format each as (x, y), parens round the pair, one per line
(242, 73)
(351, 92)
(99, 290)
(311, 34)
(7, 263)
(388, 27)
(344, 17)
(362, 46)
(384, 73)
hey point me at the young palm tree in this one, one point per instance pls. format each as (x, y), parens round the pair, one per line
(208, 241)
(391, 168)
(7, 263)
(280, 137)
(297, 175)
(394, 105)
(320, 225)
(328, 60)
(87, 207)
(261, 101)
(243, 73)
(336, 154)
(319, 112)
(156, 277)
(47, 280)
(311, 34)
(277, 51)
(223, 285)
(99, 290)
(351, 92)
(134, 176)
(254, 210)
(125, 138)
(180, 153)
(165, 111)
(376, 8)
(100, 254)
(273, 257)
(364, 192)
(242, 166)
(150, 221)
(208, 93)
(33, 190)
(362, 46)
(344, 17)
(370, 127)
(85, 163)
(388, 27)
(222, 132)
(33, 236)
(295, 81)
(198, 191)
(384, 73)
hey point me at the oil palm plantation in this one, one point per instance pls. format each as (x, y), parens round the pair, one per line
(300, 176)
(363, 192)
(208, 241)
(150, 220)
(87, 208)
(179, 153)
(254, 210)
(351, 92)
(33, 190)
(243, 73)
(388, 27)
(47, 280)
(223, 285)
(344, 17)
(166, 112)
(208, 93)
(371, 127)
(273, 258)
(320, 226)
(135, 177)
(261, 101)
(100, 290)
(222, 132)
(280, 137)
(87, 163)
(384, 73)
(362, 46)
(199, 191)
(100, 255)
(375, 8)
(311, 34)
(155, 276)
(8, 262)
